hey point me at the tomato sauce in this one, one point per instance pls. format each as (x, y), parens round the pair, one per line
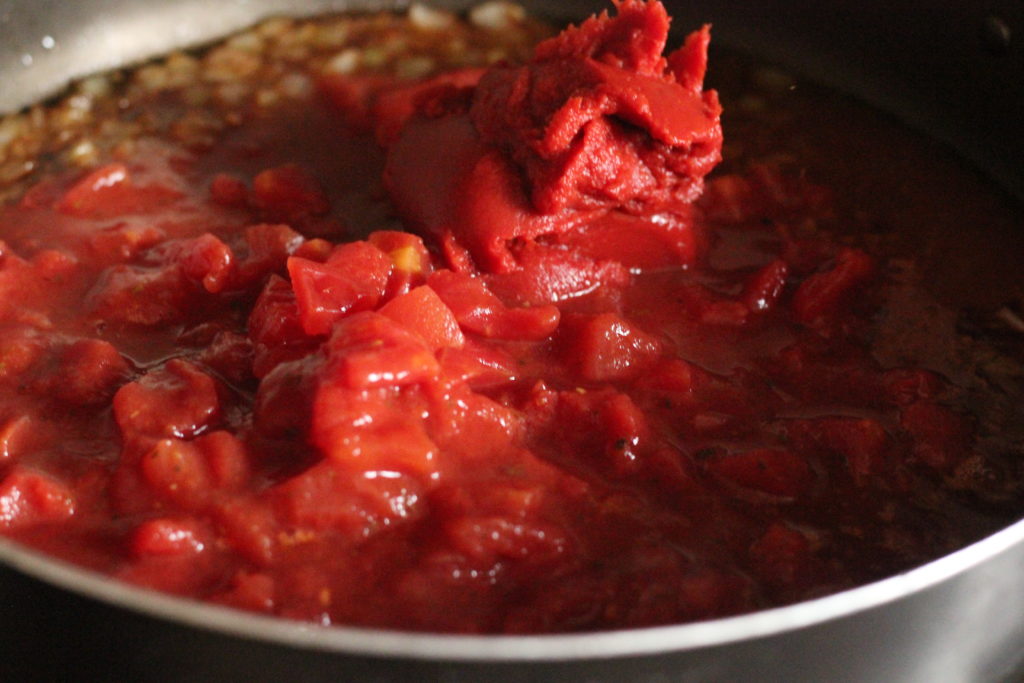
(403, 355)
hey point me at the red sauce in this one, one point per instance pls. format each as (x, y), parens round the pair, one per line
(578, 400)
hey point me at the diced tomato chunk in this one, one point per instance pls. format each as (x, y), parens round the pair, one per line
(526, 324)
(120, 243)
(28, 497)
(191, 473)
(762, 291)
(275, 328)
(863, 442)
(20, 348)
(316, 249)
(488, 539)
(387, 366)
(323, 295)
(109, 192)
(270, 245)
(671, 375)
(407, 250)
(16, 435)
(209, 261)
(772, 471)
(176, 400)
(228, 191)
(422, 311)
(89, 372)
(28, 288)
(268, 321)
(362, 432)
(165, 536)
(53, 265)
(627, 432)
(545, 275)
(176, 471)
(328, 497)
(409, 256)
(467, 425)
(288, 193)
(227, 460)
(822, 294)
(88, 192)
(250, 527)
(282, 403)
(142, 295)
(353, 279)
(362, 261)
(230, 355)
(370, 350)
(481, 312)
(711, 309)
(606, 348)
(480, 366)
(606, 422)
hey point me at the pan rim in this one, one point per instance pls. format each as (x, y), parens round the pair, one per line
(358, 641)
(495, 648)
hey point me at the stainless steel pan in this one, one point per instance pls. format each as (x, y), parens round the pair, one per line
(953, 69)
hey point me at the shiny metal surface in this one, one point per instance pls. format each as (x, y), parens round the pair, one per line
(47, 43)
(960, 618)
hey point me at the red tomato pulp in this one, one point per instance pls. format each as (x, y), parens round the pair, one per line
(494, 363)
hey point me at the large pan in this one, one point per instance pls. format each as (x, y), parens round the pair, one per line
(953, 69)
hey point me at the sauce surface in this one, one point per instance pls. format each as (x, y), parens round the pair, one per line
(230, 370)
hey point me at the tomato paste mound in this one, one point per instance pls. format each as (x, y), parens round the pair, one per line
(599, 119)
(342, 327)
(598, 139)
